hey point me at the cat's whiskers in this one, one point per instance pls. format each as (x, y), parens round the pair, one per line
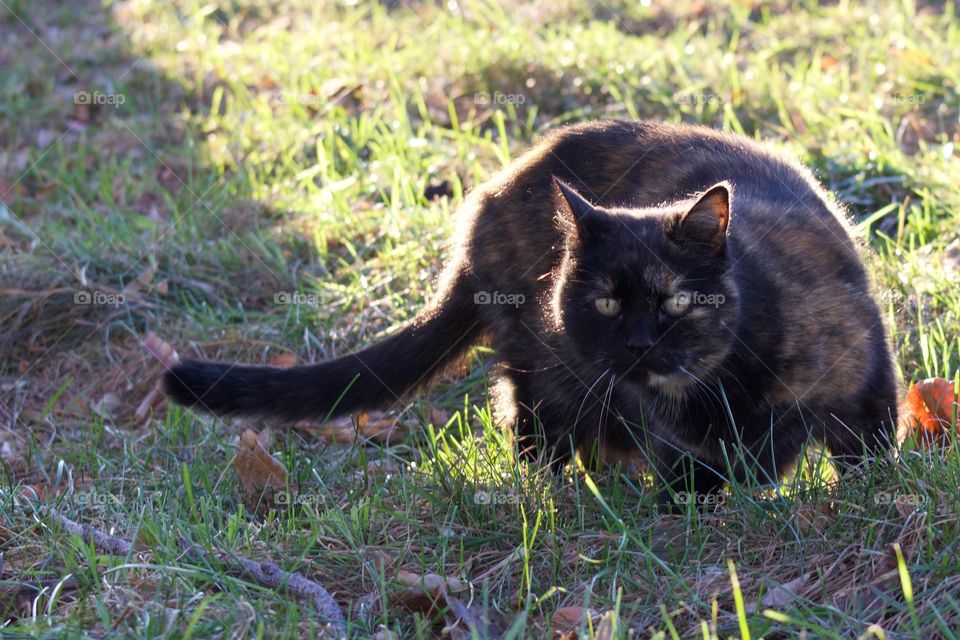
(605, 409)
(589, 392)
(722, 368)
(699, 385)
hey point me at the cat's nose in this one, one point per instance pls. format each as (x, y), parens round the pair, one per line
(640, 338)
(639, 343)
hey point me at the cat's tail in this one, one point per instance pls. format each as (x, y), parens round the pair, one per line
(375, 377)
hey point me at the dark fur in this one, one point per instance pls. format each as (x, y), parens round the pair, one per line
(796, 349)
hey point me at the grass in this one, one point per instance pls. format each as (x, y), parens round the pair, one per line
(244, 149)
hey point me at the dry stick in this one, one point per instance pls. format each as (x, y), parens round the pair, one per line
(266, 574)
(31, 587)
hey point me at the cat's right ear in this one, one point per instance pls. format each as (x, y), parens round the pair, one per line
(576, 216)
(704, 225)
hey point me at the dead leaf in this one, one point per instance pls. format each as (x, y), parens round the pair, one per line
(160, 349)
(109, 406)
(424, 593)
(378, 559)
(375, 425)
(786, 593)
(284, 360)
(566, 619)
(930, 408)
(379, 428)
(606, 627)
(146, 276)
(263, 478)
(813, 517)
(167, 356)
(465, 622)
(431, 582)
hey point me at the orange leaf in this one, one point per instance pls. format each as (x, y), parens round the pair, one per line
(261, 475)
(929, 412)
(284, 360)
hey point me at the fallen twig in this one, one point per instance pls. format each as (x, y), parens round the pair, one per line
(266, 574)
(18, 586)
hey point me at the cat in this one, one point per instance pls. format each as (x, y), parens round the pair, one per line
(645, 286)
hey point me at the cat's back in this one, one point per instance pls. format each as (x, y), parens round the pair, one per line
(782, 221)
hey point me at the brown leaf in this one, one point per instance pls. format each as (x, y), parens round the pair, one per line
(572, 618)
(786, 593)
(376, 426)
(166, 357)
(160, 349)
(431, 582)
(262, 476)
(109, 406)
(606, 626)
(424, 593)
(930, 407)
(466, 621)
(284, 360)
(813, 517)
(378, 559)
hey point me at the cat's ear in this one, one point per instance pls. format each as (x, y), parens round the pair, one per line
(574, 213)
(704, 225)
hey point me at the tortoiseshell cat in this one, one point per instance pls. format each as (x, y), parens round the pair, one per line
(643, 285)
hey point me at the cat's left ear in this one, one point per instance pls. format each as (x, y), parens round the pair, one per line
(577, 217)
(705, 223)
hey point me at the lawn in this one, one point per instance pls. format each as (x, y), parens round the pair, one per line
(274, 182)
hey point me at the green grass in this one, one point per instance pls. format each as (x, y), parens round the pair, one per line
(266, 147)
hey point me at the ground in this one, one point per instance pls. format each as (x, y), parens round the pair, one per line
(181, 170)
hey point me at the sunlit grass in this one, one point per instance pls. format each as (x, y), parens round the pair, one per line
(268, 147)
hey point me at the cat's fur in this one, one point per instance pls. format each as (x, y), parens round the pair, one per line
(780, 341)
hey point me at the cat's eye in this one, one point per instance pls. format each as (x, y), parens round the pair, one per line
(607, 306)
(678, 303)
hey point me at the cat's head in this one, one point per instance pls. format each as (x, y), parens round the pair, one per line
(647, 292)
